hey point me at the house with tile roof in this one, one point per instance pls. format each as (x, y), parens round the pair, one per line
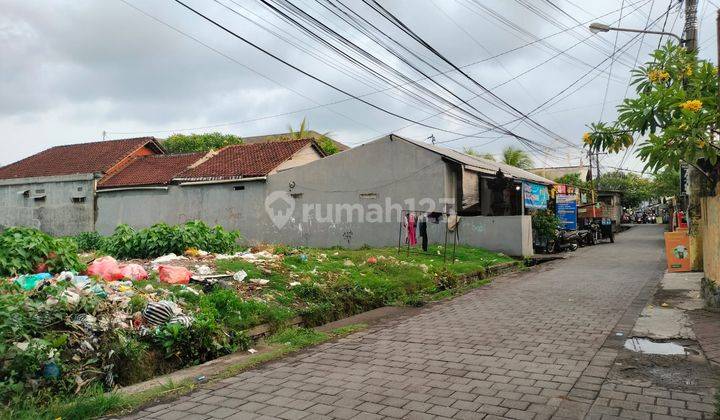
(364, 196)
(225, 187)
(54, 190)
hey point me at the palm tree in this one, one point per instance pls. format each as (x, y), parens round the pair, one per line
(472, 152)
(516, 157)
(323, 139)
(302, 132)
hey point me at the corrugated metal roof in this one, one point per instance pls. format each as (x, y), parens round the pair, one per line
(559, 171)
(479, 164)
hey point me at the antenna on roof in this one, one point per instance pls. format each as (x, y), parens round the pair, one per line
(431, 138)
(104, 134)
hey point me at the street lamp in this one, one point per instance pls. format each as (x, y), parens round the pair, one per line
(601, 27)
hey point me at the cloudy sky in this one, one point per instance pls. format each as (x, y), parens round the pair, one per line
(70, 70)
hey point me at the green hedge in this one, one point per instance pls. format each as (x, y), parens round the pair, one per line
(26, 250)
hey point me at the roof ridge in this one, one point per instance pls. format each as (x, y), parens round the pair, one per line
(146, 138)
(175, 154)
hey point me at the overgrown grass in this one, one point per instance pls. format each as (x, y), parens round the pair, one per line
(321, 285)
(95, 402)
(329, 284)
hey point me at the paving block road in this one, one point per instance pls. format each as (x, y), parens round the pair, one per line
(533, 345)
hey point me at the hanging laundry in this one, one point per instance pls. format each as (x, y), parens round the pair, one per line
(423, 232)
(412, 239)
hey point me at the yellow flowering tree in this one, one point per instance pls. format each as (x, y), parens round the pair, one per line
(675, 107)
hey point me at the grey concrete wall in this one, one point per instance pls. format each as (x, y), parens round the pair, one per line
(215, 204)
(57, 214)
(374, 182)
(350, 199)
(389, 176)
(511, 235)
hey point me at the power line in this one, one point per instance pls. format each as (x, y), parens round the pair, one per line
(318, 106)
(393, 19)
(564, 90)
(234, 60)
(307, 74)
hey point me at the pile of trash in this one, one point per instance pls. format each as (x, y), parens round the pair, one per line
(84, 318)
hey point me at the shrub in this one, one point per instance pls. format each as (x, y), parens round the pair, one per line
(545, 223)
(161, 239)
(88, 241)
(26, 250)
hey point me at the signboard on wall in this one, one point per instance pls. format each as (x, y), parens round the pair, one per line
(566, 211)
(535, 196)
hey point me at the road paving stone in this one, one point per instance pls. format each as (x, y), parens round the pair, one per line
(529, 346)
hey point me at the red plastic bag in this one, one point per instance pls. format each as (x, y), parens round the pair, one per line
(133, 272)
(174, 275)
(106, 268)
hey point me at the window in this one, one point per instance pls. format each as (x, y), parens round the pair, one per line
(40, 191)
(78, 200)
(369, 196)
(296, 195)
(239, 187)
(79, 188)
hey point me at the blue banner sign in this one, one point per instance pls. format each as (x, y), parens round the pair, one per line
(566, 211)
(535, 196)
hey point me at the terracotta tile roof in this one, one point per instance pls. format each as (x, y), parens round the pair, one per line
(245, 160)
(79, 158)
(150, 170)
(287, 136)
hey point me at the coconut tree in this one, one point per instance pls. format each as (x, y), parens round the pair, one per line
(516, 157)
(304, 132)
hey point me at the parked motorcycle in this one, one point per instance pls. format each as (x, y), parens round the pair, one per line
(584, 237)
(595, 233)
(564, 240)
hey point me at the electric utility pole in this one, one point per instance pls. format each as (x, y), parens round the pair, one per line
(695, 177)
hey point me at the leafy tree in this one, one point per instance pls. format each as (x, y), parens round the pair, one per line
(635, 188)
(667, 183)
(472, 152)
(516, 157)
(186, 143)
(676, 107)
(304, 132)
(572, 179)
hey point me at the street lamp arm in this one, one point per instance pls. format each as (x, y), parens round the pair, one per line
(601, 27)
(641, 31)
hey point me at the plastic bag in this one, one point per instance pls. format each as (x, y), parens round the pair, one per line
(106, 268)
(133, 272)
(240, 276)
(174, 275)
(31, 281)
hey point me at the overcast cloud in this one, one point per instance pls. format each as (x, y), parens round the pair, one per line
(71, 69)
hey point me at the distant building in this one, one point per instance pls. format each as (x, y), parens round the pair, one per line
(225, 187)
(556, 172)
(279, 192)
(54, 190)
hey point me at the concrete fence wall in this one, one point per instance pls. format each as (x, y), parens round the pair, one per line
(58, 205)
(235, 206)
(710, 231)
(511, 235)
